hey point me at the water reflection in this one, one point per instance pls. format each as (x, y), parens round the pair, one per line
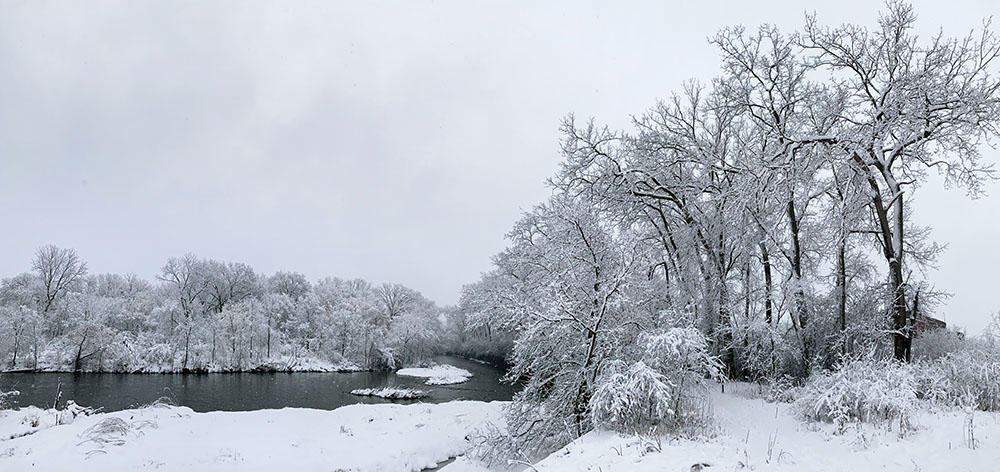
(245, 391)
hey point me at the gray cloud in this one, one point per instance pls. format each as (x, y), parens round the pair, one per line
(396, 142)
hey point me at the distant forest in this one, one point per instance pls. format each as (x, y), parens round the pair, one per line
(207, 315)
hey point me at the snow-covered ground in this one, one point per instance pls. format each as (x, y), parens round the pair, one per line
(351, 438)
(751, 434)
(442, 374)
(755, 435)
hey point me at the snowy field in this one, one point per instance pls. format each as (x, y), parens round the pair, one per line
(755, 435)
(441, 374)
(353, 438)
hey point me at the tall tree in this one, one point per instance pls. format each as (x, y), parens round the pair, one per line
(910, 106)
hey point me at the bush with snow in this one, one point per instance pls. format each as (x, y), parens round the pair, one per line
(868, 389)
(955, 371)
(664, 391)
(938, 343)
(967, 378)
(7, 399)
(631, 398)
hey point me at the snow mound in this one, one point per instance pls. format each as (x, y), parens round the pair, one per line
(442, 374)
(29, 420)
(398, 438)
(391, 393)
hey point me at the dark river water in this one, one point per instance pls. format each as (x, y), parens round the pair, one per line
(246, 391)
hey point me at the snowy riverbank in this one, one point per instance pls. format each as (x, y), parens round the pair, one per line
(351, 438)
(278, 364)
(752, 434)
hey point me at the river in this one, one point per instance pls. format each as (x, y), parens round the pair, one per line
(244, 391)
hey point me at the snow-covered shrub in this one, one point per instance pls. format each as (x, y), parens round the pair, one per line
(975, 377)
(57, 355)
(968, 378)
(869, 389)
(937, 343)
(157, 357)
(683, 352)
(960, 372)
(764, 351)
(784, 389)
(7, 399)
(665, 390)
(631, 398)
(113, 431)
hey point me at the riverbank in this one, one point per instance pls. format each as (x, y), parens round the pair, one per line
(277, 365)
(167, 438)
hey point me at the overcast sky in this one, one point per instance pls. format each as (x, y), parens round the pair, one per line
(396, 142)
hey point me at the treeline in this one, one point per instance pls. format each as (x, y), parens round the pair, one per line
(206, 315)
(768, 210)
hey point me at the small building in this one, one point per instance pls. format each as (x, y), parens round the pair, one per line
(923, 324)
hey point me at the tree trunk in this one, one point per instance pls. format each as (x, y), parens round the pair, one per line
(801, 318)
(894, 253)
(842, 291)
(768, 282)
(724, 331)
(187, 345)
(13, 361)
(746, 290)
(79, 351)
(901, 335)
(892, 248)
(34, 343)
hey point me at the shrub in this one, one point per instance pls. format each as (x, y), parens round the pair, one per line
(7, 399)
(958, 371)
(867, 389)
(664, 391)
(967, 378)
(629, 398)
(937, 343)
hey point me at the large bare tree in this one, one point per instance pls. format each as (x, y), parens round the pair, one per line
(909, 106)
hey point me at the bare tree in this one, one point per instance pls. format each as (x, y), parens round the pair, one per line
(227, 282)
(396, 299)
(185, 278)
(58, 269)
